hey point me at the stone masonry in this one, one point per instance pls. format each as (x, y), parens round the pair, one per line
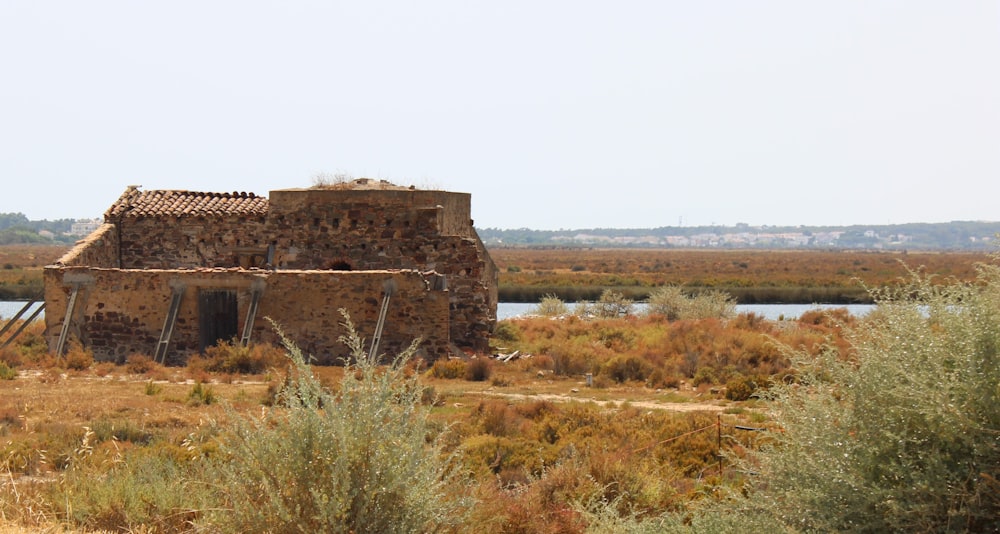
(307, 253)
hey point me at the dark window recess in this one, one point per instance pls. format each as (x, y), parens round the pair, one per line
(217, 316)
(338, 265)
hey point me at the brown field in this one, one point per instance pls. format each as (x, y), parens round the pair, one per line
(803, 276)
(526, 274)
(665, 397)
(533, 437)
(29, 256)
(21, 269)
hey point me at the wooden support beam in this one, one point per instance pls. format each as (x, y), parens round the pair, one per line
(168, 325)
(23, 325)
(255, 293)
(64, 332)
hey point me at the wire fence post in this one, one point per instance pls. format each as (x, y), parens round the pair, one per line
(718, 447)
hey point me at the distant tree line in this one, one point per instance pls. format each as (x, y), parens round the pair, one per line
(16, 228)
(955, 235)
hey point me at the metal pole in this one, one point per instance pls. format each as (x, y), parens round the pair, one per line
(718, 449)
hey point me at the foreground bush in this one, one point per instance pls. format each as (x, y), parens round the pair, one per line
(232, 357)
(905, 438)
(357, 460)
(901, 435)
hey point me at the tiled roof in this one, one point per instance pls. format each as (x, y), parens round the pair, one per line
(161, 203)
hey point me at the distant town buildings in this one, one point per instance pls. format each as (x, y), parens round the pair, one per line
(83, 227)
(918, 236)
(709, 239)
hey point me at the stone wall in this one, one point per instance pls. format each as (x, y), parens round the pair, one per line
(169, 242)
(337, 230)
(99, 249)
(120, 312)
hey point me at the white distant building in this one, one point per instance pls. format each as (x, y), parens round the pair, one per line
(85, 226)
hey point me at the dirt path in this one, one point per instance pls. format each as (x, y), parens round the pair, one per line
(670, 406)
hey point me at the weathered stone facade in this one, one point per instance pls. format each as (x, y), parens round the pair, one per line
(307, 252)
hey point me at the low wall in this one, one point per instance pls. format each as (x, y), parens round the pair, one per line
(99, 249)
(121, 312)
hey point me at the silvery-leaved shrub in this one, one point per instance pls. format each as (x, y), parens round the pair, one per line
(612, 304)
(551, 306)
(900, 434)
(360, 459)
(903, 435)
(672, 303)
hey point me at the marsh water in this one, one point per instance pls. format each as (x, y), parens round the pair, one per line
(507, 310)
(774, 312)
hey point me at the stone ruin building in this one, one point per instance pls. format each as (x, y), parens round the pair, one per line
(170, 273)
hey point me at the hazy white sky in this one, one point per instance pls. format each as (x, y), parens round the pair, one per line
(572, 114)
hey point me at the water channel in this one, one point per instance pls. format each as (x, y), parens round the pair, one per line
(774, 312)
(507, 310)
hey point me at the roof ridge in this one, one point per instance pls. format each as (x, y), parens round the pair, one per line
(182, 202)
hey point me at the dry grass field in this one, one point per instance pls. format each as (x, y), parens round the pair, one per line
(632, 411)
(21, 269)
(510, 424)
(802, 276)
(751, 276)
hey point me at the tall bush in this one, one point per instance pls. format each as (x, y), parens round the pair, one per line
(612, 304)
(551, 306)
(358, 460)
(905, 435)
(672, 303)
(899, 434)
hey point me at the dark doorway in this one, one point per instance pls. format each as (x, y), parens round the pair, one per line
(217, 316)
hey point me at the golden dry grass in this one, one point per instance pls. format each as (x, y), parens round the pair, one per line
(730, 268)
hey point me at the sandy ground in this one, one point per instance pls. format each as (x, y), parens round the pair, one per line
(670, 406)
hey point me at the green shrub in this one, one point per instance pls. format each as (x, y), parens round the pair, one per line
(626, 368)
(478, 369)
(704, 375)
(120, 430)
(568, 362)
(358, 460)
(740, 388)
(672, 303)
(152, 388)
(201, 394)
(233, 358)
(448, 368)
(551, 306)
(139, 492)
(900, 435)
(612, 304)
(11, 356)
(139, 364)
(6, 373)
(507, 332)
(77, 357)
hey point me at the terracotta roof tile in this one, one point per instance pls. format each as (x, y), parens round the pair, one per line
(162, 203)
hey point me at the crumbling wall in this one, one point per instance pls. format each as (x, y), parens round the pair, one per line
(329, 232)
(120, 312)
(99, 249)
(409, 229)
(169, 242)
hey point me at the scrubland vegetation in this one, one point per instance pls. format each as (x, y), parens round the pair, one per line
(21, 269)
(695, 419)
(751, 276)
(575, 274)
